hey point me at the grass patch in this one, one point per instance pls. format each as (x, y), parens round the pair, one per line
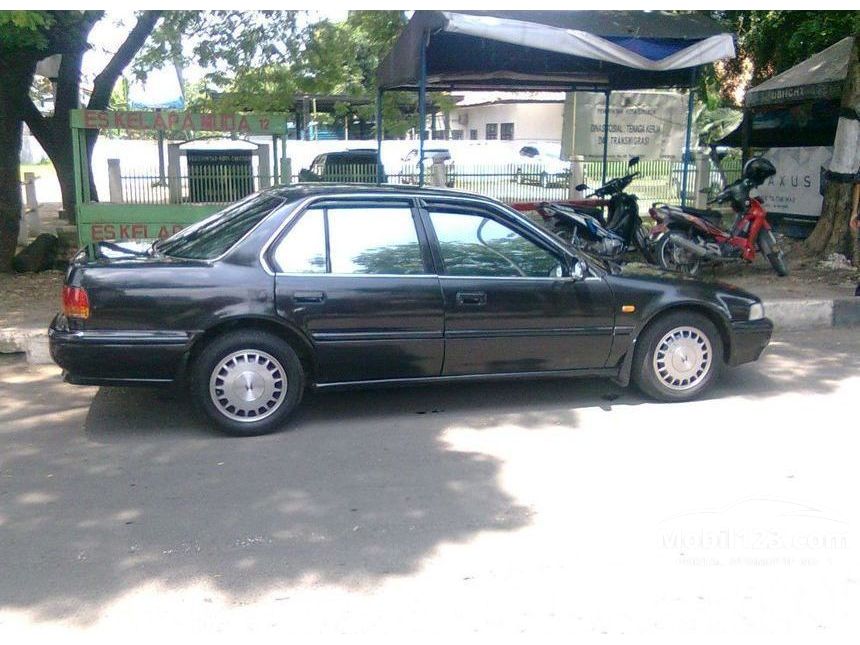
(45, 169)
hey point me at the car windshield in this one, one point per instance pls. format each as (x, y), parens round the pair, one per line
(216, 234)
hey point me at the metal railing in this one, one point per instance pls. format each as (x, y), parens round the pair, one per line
(204, 185)
(659, 180)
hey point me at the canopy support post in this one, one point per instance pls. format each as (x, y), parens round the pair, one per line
(422, 108)
(685, 169)
(605, 132)
(379, 92)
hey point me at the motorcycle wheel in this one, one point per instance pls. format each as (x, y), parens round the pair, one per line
(674, 258)
(770, 247)
(644, 245)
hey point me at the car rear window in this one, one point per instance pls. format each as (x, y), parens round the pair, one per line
(215, 235)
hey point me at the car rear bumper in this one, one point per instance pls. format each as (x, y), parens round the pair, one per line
(98, 357)
(749, 338)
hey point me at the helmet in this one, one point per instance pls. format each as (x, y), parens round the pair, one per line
(757, 170)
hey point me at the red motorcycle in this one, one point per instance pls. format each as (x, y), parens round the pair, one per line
(684, 238)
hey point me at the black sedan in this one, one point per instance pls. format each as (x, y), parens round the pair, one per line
(342, 286)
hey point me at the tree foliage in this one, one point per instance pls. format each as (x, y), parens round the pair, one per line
(771, 41)
(263, 60)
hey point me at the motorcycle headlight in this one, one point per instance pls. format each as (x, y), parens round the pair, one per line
(756, 311)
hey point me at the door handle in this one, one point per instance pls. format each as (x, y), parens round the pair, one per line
(309, 297)
(474, 298)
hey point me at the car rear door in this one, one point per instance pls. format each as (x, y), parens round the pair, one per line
(355, 275)
(509, 306)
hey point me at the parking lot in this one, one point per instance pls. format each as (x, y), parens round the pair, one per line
(541, 508)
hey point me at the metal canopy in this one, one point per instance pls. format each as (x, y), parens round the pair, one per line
(596, 51)
(821, 76)
(552, 50)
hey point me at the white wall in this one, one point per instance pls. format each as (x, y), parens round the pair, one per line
(532, 121)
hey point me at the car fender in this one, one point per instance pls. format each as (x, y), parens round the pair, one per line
(715, 313)
(294, 336)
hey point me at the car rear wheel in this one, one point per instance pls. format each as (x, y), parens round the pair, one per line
(678, 357)
(247, 383)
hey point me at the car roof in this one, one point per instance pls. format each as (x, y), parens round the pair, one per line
(299, 191)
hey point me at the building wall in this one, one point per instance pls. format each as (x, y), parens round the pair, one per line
(533, 121)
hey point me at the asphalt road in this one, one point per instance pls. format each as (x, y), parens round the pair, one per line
(554, 509)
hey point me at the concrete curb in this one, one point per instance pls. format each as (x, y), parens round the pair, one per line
(786, 315)
(812, 314)
(32, 342)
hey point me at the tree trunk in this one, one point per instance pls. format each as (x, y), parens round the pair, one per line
(16, 82)
(831, 233)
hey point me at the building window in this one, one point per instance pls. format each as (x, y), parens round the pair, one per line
(473, 135)
(456, 135)
(507, 131)
(492, 131)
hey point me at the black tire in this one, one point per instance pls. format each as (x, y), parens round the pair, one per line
(671, 258)
(265, 354)
(655, 383)
(640, 238)
(770, 247)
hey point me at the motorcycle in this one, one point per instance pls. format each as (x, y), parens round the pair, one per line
(684, 238)
(585, 228)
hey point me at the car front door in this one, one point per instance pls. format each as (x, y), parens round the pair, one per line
(509, 305)
(356, 277)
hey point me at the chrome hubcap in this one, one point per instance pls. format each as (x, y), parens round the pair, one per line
(248, 385)
(683, 358)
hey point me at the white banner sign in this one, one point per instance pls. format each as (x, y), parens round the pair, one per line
(650, 125)
(795, 188)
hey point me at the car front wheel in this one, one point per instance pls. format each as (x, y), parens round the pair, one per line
(247, 383)
(678, 357)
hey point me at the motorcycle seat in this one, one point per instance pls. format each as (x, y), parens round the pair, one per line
(590, 210)
(715, 217)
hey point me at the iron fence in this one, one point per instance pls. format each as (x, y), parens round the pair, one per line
(208, 185)
(658, 181)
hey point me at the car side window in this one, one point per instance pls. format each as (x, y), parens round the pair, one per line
(374, 241)
(472, 244)
(368, 241)
(303, 248)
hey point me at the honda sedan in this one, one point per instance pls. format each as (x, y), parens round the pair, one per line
(329, 286)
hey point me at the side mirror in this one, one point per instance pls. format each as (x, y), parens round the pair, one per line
(578, 270)
(633, 161)
(582, 187)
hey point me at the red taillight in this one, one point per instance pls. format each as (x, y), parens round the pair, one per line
(76, 303)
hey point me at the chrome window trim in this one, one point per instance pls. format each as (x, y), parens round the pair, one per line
(308, 202)
(355, 275)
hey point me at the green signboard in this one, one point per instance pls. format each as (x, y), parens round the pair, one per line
(209, 182)
(178, 120)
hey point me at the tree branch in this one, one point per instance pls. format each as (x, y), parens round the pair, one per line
(38, 124)
(105, 81)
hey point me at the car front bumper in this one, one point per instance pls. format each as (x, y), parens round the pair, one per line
(99, 357)
(749, 338)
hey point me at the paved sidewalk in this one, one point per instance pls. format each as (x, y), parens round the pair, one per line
(519, 512)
